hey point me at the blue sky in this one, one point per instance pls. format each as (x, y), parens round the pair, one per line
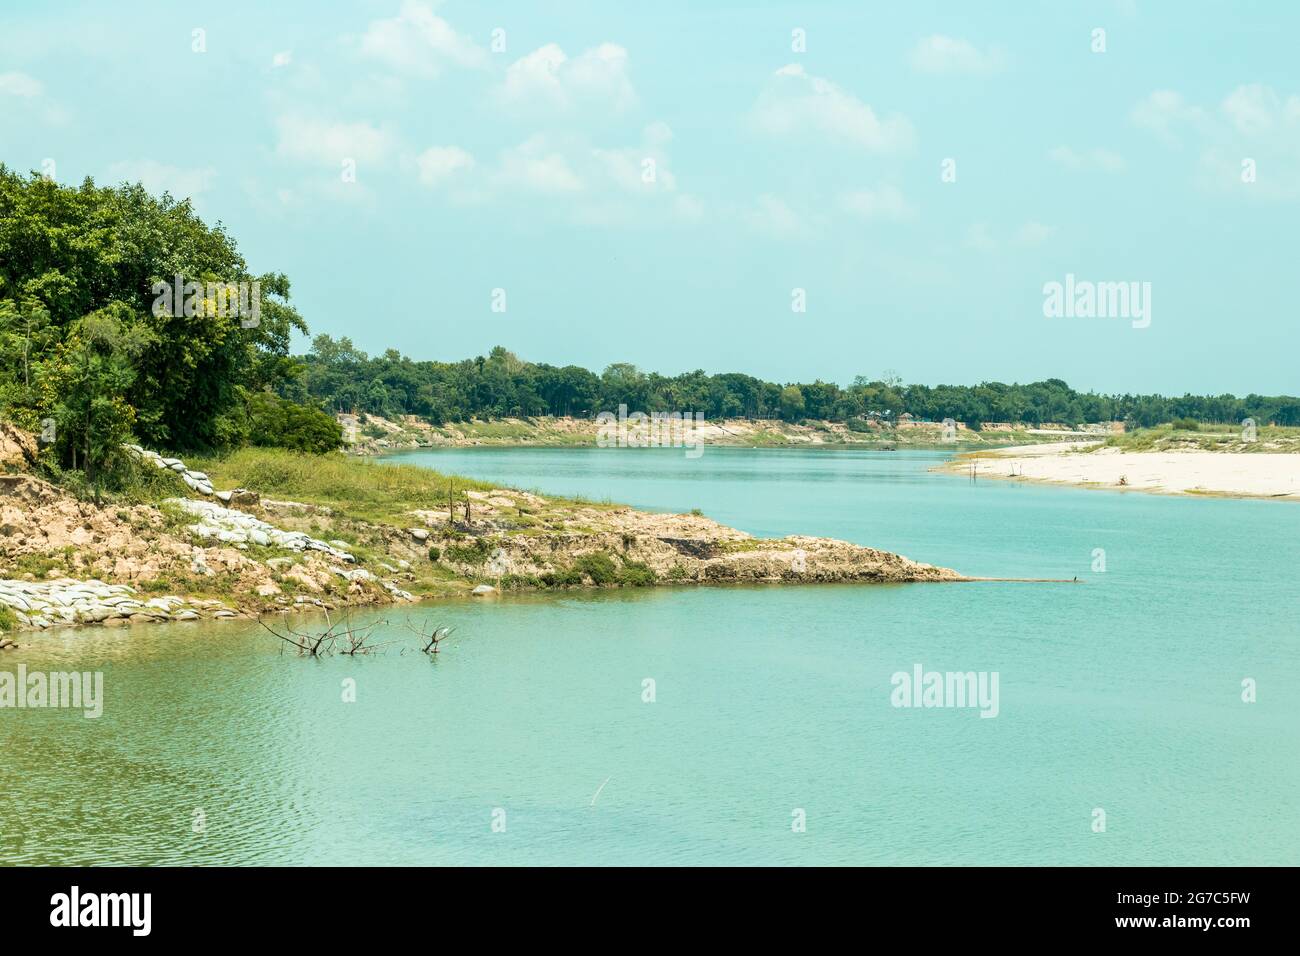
(774, 169)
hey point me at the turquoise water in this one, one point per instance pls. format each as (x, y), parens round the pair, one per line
(1121, 693)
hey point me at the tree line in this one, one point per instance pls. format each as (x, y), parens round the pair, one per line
(343, 378)
(88, 359)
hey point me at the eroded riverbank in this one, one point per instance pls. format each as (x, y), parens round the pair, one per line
(359, 533)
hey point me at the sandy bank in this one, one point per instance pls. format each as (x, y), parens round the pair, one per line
(1248, 475)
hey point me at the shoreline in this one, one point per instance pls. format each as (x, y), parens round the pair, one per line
(379, 436)
(1260, 476)
(355, 533)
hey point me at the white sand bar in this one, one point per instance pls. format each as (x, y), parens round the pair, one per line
(1255, 475)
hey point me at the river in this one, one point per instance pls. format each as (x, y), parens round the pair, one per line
(771, 737)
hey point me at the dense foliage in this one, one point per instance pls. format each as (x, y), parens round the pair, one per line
(276, 423)
(85, 358)
(500, 384)
(89, 362)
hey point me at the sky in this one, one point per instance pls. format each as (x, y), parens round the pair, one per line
(793, 190)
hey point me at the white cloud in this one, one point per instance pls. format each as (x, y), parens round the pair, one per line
(688, 209)
(1253, 126)
(1100, 159)
(281, 59)
(591, 184)
(796, 104)
(20, 85)
(639, 169)
(775, 218)
(1033, 233)
(1258, 110)
(1164, 112)
(419, 42)
(942, 54)
(979, 237)
(983, 239)
(535, 165)
(157, 178)
(439, 164)
(887, 202)
(324, 143)
(548, 79)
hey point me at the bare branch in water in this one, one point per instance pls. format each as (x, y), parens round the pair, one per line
(339, 637)
(430, 635)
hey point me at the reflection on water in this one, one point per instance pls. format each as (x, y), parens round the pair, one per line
(1121, 694)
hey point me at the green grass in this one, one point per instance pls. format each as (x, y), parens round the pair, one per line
(476, 552)
(126, 482)
(363, 489)
(8, 620)
(40, 565)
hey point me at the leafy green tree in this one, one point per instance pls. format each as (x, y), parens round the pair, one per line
(275, 422)
(792, 403)
(84, 381)
(69, 252)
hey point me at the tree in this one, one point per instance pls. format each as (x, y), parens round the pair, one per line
(278, 423)
(69, 252)
(83, 383)
(792, 404)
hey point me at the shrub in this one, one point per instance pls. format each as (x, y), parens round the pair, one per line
(434, 554)
(636, 574)
(518, 582)
(598, 566)
(1186, 425)
(475, 552)
(123, 479)
(274, 422)
(568, 577)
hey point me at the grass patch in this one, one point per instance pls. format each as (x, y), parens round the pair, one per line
(476, 552)
(40, 565)
(8, 619)
(127, 481)
(369, 490)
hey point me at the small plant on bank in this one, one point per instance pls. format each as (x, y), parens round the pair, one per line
(636, 574)
(598, 566)
(476, 552)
